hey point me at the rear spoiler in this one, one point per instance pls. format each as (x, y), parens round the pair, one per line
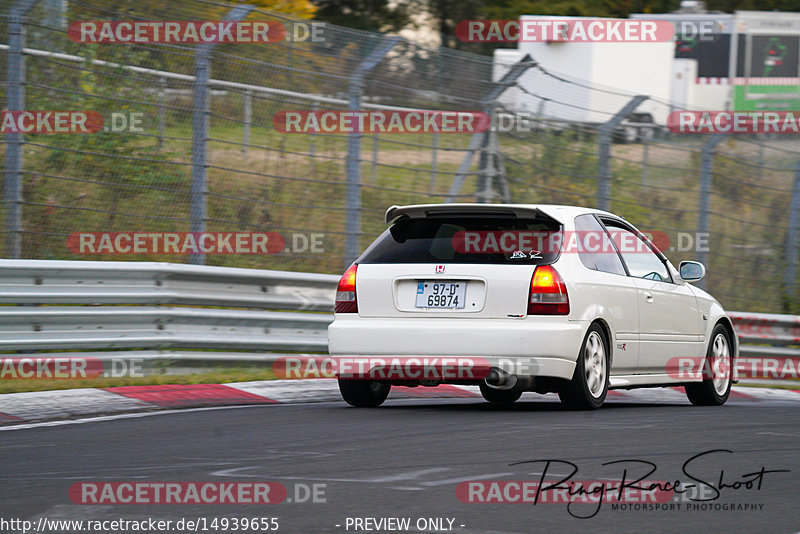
(464, 209)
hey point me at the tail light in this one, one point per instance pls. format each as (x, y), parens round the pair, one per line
(346, 292)
(548, 294)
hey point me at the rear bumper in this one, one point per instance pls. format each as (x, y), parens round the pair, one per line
(529, 346)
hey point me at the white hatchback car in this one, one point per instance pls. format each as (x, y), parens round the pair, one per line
(552, 298)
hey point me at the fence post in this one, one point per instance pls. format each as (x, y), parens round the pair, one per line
(538, 135)
(15, 102)
(55, 18)
(200, 114)
(604, 151)
(375, 148)
(645, 159)
(434, 162)
(491, 170)
(479, 138)
(790, 274)
(162, 111)
(486, 169)
(353, 160)
(248, 118)
(706, 173)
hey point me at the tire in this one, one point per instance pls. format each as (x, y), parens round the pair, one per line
(714, 391)
(589, 385)
(500, 396)
(364, 393)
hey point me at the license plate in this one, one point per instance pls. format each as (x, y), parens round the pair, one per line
(440, 294)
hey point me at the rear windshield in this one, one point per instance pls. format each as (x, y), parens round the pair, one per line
(504, 240)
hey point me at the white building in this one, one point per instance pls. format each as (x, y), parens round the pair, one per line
(590, 80)
(749, 61)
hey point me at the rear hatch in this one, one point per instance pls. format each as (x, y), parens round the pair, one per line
(470, 264)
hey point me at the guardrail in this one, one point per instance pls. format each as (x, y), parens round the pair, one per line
(767, 334)
(154, 307)
(195, 312)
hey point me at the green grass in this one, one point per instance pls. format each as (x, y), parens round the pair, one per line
(212, 376)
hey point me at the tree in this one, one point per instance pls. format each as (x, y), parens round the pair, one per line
(371, 15)
(512, 9)
(303, 9)
(448, 13)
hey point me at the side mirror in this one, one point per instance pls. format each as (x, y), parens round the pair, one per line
(692, 271)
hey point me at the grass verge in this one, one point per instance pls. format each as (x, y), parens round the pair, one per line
(212, 376)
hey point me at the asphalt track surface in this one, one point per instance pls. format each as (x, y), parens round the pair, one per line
(406, 459)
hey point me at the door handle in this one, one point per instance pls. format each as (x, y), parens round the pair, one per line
(648, 297)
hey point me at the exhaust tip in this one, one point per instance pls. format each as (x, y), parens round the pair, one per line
(499, 379)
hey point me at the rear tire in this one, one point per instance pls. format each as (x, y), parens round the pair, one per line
(364, 393)
(714, 390)
(500, 396)
(589, 385)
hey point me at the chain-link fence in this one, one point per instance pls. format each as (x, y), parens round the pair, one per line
(731, 202)
(208, 157)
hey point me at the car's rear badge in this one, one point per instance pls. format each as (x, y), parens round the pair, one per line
(439, 269)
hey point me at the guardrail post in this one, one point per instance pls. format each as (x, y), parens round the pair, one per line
(704, 202)
(604, 151)
(353, 160)
(479, 138)
(15, 98)
(200, 114)
(790, 274)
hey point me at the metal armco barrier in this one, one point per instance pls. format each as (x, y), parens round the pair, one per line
(153, 310)
(148, 307)
(767, 334)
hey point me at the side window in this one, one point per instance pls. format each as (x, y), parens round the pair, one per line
(596, 251)
(640, 259)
